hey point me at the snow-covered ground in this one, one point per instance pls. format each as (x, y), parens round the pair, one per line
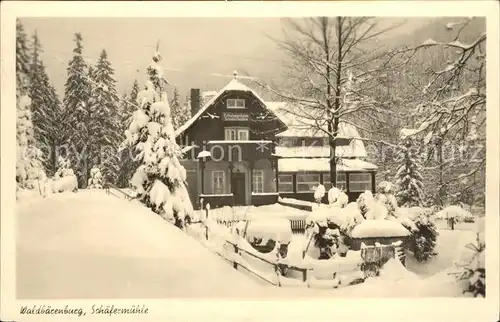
(92, 245)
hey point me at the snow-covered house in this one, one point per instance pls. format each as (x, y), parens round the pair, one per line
(240, 150)
(229, 147)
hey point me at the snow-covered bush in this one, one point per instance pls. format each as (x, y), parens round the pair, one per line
(266, 234)
(385, 195)
(95, 181)
(473, 272)
(329, 226)
(364, 201)
(337, 197)
(422, 241)
(370, 207)
(319, 193)
(377, 211)
(276, 229)
(453, 215)
(64, 178)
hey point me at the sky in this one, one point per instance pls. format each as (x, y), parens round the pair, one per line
(194, 47)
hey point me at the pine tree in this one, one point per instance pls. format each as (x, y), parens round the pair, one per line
(104, 121)
(76, 108)
(180, 113)
(29, 168)
(128, 165)
(46, 108)
(409, 180)
(22, 56)
(160, 178)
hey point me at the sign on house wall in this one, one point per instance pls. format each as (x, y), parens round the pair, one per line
(229, 116)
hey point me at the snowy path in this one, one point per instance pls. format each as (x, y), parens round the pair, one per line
(89, 245)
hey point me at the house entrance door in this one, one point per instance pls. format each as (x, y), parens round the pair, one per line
(238, 188)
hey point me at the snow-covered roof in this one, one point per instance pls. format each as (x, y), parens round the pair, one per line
(379, 228)
(233, 85)
(323, 165)
(355, 149)
(300, 127)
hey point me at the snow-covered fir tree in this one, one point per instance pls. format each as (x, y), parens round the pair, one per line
(160, 178)
(22, 54)
(29, 167)
(104, 123)
(127, 153)
(408, 179)
(64, 178)
(30, 172)
(46, 109)
(77, 110)
(180, 113)
(95, 181)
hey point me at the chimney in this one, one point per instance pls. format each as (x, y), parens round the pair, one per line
(195, 100)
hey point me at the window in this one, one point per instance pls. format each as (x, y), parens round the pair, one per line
(341, 181)
(236, 134)
(235, 103)
(285, 183)
(341, 184)
(307, 182)
(360, 182)
(218, 182)
(258, 181)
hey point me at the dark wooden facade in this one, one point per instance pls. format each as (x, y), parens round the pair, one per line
(237, 159)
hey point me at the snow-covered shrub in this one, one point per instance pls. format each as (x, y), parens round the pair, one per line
(95, 181)
(337, 197)
(473, 272)
(453, 215)
(64, 178)
(319, 193)
(422, 241)
(364, 201)
(329, 226)
(385, 195)
(347, 218)
(265, 234)
(377, 210)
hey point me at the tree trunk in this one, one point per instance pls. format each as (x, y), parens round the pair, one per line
(338, 90)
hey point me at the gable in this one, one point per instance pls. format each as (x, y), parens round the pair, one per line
(233, 89)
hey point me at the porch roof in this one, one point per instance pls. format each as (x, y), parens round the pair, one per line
(322, 165)
(355, 149)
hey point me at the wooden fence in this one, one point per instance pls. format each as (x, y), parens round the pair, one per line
(298, 226)
(110, 188)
